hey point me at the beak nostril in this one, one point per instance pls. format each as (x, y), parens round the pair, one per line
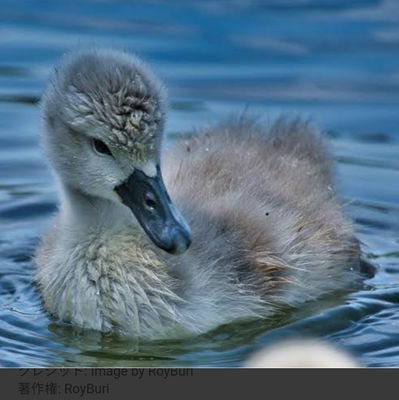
(150, 201)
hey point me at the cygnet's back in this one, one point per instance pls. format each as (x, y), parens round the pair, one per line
(260, 202)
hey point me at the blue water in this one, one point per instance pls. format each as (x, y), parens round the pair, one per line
(334, 60)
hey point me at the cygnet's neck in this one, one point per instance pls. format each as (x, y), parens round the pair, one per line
(81, 212)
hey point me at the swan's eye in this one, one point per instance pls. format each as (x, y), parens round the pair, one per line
(101, 147)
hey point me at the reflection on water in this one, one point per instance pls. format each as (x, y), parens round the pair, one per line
(334, 60)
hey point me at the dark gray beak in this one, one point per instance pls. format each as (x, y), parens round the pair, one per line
(153, 209)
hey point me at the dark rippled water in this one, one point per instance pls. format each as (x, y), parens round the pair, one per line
(334, 60)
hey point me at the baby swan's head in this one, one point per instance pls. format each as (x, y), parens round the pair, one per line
(103, 115)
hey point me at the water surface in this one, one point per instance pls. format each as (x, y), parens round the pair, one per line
(334, 60)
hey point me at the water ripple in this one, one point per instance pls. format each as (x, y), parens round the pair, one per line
(334, 60)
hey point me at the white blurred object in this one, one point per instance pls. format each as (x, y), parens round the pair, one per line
(304, 353)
